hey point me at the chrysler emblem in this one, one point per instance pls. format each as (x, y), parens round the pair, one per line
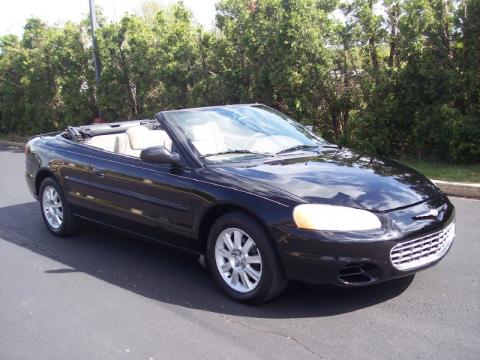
(432, 214)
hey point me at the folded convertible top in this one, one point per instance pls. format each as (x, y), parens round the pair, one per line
(114, 127)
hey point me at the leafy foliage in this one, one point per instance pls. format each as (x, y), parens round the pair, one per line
(397, 77)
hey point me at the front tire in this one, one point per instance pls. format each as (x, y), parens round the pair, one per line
(243, 260)
(56, 212)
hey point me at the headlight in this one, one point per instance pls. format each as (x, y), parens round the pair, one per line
(334, 218)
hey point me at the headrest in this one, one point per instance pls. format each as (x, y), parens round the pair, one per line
(137, 136)
(141, 138)
(205, 131)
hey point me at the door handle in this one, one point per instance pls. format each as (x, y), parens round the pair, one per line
(99, 173)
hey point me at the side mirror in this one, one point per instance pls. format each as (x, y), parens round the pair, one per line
(309, 128)
(159, 155)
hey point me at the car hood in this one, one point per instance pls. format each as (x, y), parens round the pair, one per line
(341, 177)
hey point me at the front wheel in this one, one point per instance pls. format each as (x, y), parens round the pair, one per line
(243, 260)
(55, 209)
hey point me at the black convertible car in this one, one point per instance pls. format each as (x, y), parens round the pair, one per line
(255, 194)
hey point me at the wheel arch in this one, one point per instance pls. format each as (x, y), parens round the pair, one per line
(215, 212)
(42, 174)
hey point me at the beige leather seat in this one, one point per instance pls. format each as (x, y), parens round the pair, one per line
(122, 146)
(137, 138)
(132, 142)
(207, 138)
(105, 142)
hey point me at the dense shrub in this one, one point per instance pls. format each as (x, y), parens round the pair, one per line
(404, 81)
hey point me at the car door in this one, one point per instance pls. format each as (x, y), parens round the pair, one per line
(145, 198)
(76, 173)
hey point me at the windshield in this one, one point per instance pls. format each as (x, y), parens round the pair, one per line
(238, 131)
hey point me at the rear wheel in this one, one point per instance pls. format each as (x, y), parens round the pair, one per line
(56, 212)
(243, 260)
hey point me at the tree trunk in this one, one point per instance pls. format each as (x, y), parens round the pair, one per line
(393, 46)
(126, 80)
(372, 43)
(335, 124)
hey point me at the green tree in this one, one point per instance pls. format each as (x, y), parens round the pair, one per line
(394, 77)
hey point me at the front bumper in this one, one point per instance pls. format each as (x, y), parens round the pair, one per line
(349, 259)
(31, 184)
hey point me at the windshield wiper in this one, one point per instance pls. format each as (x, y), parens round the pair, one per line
(296, 147)
(232, 152)
(332, 146)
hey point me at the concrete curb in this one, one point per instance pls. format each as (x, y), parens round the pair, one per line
(12, 144)
(449, 188)
(459, 189)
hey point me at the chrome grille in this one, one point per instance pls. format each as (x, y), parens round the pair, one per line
(423, 250)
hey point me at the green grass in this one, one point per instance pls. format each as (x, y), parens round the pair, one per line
(469, 173)
(13, 137)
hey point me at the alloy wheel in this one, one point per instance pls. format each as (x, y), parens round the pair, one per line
(238, 260)
(52, 207)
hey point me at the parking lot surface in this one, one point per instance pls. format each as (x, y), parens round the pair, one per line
(99, 295)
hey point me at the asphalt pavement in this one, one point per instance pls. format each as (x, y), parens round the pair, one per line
(100, 295)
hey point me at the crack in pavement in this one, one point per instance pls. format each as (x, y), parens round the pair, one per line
(291, 338)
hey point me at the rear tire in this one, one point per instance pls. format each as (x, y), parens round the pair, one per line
(243, 260)
(55, 209)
